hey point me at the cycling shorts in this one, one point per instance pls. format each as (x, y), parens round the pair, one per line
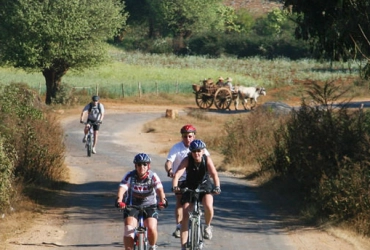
(186, 197)
(132, 212)
(96, 126)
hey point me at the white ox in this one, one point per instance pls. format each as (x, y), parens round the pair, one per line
(245, 93)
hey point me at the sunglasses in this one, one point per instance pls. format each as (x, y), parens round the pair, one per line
(197, 151)
(142, 164)
(187, 136)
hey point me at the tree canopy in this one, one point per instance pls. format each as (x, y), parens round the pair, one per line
(336, 29)
(53, 36)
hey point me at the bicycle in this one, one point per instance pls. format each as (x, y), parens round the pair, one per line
(90, 137)
(141, 232)
(195, 236)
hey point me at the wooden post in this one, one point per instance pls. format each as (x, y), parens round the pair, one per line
(177, 87)
(123, 91)
(156, 87)
(139, 89)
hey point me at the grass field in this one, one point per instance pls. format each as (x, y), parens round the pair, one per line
(171, 74)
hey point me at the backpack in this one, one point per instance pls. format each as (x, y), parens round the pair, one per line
(91, 105)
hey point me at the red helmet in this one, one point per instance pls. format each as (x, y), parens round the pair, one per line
(188, 129)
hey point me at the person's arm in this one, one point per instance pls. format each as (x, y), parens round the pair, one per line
(213, 172)
(161, 195)
(168, 168)
(179, 172)
(102, 112)
(82, 115)
(121, 193)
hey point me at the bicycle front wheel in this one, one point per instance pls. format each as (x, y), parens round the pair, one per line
(141, 242)
(194, 235)
(89, 146)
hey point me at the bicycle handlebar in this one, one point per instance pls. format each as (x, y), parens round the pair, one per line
(197, 190)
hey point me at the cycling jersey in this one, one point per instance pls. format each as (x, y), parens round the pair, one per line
(140, 192)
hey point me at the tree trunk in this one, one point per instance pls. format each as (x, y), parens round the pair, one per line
(53, 78)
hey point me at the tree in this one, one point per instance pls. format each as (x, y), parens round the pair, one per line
(336, 29)
(54, 36)
(185, 17)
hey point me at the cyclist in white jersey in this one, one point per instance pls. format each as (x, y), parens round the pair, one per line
(176, 154)
(143, 187)
(95, 113)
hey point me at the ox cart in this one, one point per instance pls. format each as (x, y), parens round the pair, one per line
(208, 94)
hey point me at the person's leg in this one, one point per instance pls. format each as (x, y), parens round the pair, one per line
(178, 216)
(96, 132)
(151, 223)
(207, 202)
(128, 237)
(185, 223)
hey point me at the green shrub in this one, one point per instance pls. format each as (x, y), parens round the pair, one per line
(324, 148)
(35, 134)
(6, 175)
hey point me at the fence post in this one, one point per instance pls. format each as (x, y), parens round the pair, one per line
(139, 89)
(123, 91)
(177, 87)
(156, 87)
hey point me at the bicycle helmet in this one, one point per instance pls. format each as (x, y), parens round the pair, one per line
(95, 98)
(142, 158)
(188, 129)
(196, 145)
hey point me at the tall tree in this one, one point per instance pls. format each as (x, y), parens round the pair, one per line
(336, 29)
(53, 36)
(185, 17)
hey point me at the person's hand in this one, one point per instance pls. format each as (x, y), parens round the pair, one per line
(81, 121)
(175, 189)
(169, 173)
(100, 121)
(162, 205)
(216, 190)
(120, 205)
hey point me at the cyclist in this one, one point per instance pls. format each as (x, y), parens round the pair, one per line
(176, 154)
(95, 111)
(140, 186)
(198, 167)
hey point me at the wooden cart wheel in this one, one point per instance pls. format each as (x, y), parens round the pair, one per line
(223, 98)
(203, 101)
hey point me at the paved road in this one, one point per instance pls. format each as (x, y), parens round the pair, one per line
(91, 221)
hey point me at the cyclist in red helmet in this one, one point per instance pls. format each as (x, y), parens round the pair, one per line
(176, 154)
(141, 186)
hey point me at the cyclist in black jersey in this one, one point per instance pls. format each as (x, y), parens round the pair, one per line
(199, 170)
(141, 187)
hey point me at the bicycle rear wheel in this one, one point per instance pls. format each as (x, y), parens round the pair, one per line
(89, 146)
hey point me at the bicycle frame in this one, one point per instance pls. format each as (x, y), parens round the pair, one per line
(90, 138)
(141, 232)
(195, 237)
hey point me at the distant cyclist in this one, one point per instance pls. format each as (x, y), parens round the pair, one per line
(199, 169)
(95, 111)
(141, 186)
(177, 153)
